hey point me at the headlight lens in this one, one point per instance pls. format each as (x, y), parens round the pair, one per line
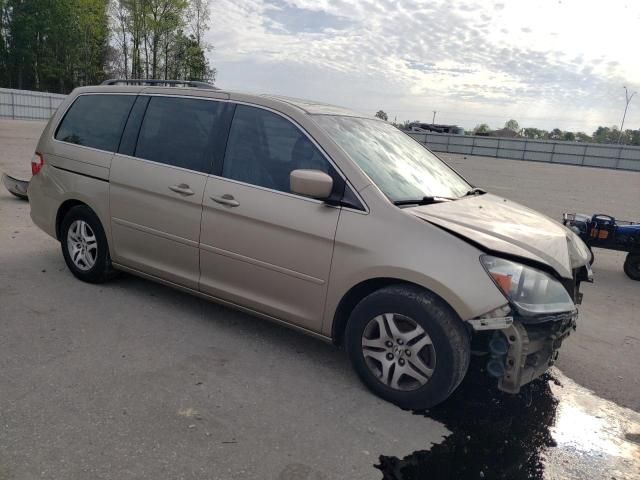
(578, 251)
(533, 291)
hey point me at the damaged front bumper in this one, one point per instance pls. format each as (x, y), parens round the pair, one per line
(521, 346)
(532, 349)
(519, 350)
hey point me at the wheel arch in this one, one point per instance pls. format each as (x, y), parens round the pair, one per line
(358, 292)
(63, 209)
(76, 201)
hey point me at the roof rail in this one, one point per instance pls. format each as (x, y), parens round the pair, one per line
(169, 83)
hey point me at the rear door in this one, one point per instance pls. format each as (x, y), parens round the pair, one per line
(262, 246)
(157, 181)
(84, 144)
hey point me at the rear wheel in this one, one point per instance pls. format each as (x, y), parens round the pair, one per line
(84, 246)
(408, 346)
(632, 266)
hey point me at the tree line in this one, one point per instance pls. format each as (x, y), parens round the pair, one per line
(57, 45)
(600, 135)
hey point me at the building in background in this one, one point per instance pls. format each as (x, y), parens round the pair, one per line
(434, 127)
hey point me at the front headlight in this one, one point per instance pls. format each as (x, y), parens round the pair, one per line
(533, 291)
(579, 254)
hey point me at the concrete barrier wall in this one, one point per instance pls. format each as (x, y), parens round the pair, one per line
(28, 105)
(589, 154)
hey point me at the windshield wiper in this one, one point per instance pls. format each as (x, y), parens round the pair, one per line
(475, 191)
(422, 201)
(428, 200)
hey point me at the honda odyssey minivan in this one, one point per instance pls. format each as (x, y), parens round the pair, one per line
(314, 216)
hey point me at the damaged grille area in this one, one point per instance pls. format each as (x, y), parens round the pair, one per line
(523, 352)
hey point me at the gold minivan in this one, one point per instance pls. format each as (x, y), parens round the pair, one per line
(314, 216)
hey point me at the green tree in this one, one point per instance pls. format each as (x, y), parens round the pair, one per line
(53, 45)
(4, 46)
(381, 114)
(512, 125)
(601, 134)
(614, 135)
(57, 45)
(481, 128)
(569, 136)
(583, 137)
(628, 137)
(153, 43)
(93, 31)
(556, 134)
(535, 133)
(120, 21)
(164, 17)
(189, 61)
(606, 134)
(198, 16)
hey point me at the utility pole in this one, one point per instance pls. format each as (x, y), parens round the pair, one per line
(628, 99)
(433, 122)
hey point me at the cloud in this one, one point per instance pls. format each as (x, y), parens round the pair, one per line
(293, 19)
(471, 62)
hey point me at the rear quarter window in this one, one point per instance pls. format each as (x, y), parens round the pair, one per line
(96, 121)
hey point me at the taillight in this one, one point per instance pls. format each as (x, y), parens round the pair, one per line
(36, 163)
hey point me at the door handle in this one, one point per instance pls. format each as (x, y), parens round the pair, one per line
(225, 199)
(182, 189)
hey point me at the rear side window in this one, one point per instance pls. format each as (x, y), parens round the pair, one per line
(180, 132)
(96, 121)
(264, 148)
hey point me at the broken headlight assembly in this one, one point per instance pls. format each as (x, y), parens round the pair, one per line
(532, 291)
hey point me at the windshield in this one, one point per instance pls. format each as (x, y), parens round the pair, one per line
(400, 167)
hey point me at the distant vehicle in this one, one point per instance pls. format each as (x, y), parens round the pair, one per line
(604, 231)
(431, 127)
(288, 210)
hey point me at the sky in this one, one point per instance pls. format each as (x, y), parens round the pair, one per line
(547, 64)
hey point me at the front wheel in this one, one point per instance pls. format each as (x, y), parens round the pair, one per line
(408, 346)
(632, 266)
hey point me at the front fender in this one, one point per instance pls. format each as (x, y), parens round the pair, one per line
(412, 251)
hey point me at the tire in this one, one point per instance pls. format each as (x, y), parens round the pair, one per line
(447, 356)
(84, 224)
(632, 265)
(592, 257)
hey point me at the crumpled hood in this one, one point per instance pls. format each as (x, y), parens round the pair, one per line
(501, 225)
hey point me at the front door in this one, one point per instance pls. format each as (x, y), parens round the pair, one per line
(262, 246)
(156, 188)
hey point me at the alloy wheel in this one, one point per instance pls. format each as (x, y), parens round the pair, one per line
(82, 245)
(398, 351)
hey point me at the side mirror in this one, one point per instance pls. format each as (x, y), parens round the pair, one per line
(311, 183)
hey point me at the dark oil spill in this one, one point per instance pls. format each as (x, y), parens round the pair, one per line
(501, 436)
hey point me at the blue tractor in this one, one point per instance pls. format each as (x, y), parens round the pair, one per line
(604, 231)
